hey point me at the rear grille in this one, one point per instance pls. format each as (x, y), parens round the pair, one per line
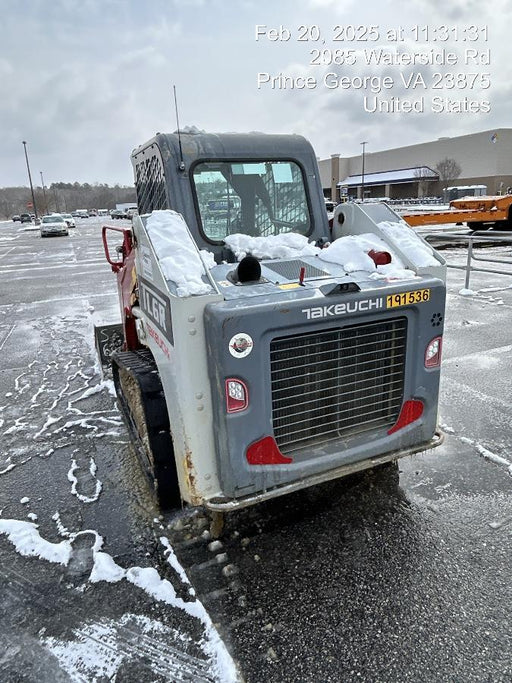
(335, 383)
(291, 269)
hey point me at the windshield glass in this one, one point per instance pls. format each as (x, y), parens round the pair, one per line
(53, 219)
(258, 199)
(379, 212)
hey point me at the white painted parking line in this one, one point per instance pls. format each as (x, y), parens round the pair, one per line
(477, 354)
(7, 336)
(7, 252)
(84, 298)
(52, 266)
(504, 406)
(42, 275)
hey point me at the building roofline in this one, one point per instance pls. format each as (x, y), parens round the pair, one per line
(490, 131)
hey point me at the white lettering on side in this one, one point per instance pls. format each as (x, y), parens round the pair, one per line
(343, 308)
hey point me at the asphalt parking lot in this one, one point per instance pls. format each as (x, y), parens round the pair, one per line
(366, 579)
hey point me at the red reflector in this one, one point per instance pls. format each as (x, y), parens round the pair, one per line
(411, 411)
(266, 452)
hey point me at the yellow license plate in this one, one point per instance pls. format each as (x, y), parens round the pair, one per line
(419, 296)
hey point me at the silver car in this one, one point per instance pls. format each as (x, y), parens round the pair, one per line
(69, 220)
(53, 225)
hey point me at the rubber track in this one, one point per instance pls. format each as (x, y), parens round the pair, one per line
(161, 467)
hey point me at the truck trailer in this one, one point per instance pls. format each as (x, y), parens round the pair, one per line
(263, 350)
(478, 212)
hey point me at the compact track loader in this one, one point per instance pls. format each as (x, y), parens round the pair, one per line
(263, 350)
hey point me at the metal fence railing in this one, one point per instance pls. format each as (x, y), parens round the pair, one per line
(472, 239)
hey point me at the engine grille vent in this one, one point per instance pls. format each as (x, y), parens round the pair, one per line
(291, 269)
(335, 383)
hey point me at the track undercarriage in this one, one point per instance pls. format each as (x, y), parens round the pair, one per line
(142, 403)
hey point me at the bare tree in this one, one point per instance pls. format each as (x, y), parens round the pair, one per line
(64, 196)
(448, 170)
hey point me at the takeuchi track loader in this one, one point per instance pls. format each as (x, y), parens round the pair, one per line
(263, 350)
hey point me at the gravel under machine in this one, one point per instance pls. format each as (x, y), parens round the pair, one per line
(265, 350)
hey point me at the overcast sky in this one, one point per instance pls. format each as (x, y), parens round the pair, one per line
(85, 81)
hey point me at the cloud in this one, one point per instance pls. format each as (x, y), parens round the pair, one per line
(91, 80)
(338, 5)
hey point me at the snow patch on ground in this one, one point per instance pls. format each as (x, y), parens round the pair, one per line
(212, 644)
(74, 481)
(97, 389)
(174, 562)
(27, 540)
(105, 569)
(93, 656)
(99, 649)
(489, 455)
(446, 429)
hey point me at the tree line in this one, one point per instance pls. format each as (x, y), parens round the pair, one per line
(63, 197)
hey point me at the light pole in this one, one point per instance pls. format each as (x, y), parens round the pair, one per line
(44, 192)
(30, 180)
(363, 145)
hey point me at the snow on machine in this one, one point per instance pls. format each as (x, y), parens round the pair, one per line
(263, 350)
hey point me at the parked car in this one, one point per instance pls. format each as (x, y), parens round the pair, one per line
(26, 218)
(15, 218)
(82, 213)
(53, 225)
(117, 213)
(102, 212)
(75, 214)
(69, 220)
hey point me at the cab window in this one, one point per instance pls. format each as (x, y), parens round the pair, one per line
(254, 198)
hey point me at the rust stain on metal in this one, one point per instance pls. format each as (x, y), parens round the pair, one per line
(191, 477)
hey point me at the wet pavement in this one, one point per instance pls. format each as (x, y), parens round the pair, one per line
(380, 577)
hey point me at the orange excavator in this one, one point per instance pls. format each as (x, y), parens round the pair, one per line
(478, 213)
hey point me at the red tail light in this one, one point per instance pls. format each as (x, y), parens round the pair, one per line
(411, 411)
(237, 396)
(433, 353)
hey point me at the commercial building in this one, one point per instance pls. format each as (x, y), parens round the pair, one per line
(484, 158)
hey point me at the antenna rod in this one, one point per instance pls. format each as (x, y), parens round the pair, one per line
(182, 163)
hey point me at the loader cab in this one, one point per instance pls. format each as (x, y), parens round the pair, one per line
(224, 184)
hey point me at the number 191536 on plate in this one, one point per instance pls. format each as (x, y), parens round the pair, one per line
(418, 296)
